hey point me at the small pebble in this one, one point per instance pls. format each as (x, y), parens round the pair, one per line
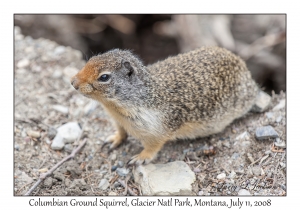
(117, 184)
(68, 148)
(23, 63)
(244, 192)
(113, 156)
(226, 144)
(68, 182)
(113, 168)
(103, 172)
(256, 170)
(104, 184)
(122, 171)
(282, 164)
(265, 132)
(269, 115)
(278, 119)
(262, 102)
(235, 155)
(279, 143)
(221, 176)
(51, 132)
(200, 192)
(185, 151)
(112, 193)
(268, 152)
(60, 108)
(249, 172)
(34, 134)
(17, 147)
(280, 105)
(232, 175)
(120, 164)
(242, 136)
(58, 143)
(48, 182)
(269, 175)
(80, 183)
(59, 176)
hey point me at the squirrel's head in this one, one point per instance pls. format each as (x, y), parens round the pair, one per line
(117, 76)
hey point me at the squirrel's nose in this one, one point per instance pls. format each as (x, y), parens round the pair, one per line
(74, 83)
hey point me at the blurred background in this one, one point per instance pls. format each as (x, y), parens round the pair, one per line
(259, 39)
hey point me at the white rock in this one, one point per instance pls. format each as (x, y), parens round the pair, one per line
(280, 105)
(262, 102)
(200, 192)
(256, 170)
(122, 171)
(34, 134)
(66, 133)
(279, 143)
(60, 108)
(221, 176)
(69, 131)
(232, 175)
(243, 136)
(104, 184)
(173, 178)
(278, 119)
(244, 192)
(58, 142)
(23, 63)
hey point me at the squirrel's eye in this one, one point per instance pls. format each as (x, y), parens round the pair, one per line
(104, 78)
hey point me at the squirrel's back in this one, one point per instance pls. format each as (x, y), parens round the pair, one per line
(203, 85)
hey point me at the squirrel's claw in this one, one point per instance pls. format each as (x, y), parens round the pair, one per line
(114, 141)
(139, 160)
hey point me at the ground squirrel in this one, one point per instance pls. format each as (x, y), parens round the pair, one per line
(194, 94)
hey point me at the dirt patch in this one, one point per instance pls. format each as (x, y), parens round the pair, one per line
(42, 81)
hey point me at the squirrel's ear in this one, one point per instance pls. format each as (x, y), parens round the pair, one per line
(129, 67)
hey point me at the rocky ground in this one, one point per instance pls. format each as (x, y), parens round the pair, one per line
(238, 161)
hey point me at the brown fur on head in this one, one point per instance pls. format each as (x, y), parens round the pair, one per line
(110, 76)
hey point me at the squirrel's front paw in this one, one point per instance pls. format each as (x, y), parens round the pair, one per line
(144, 157)
(114, 141)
